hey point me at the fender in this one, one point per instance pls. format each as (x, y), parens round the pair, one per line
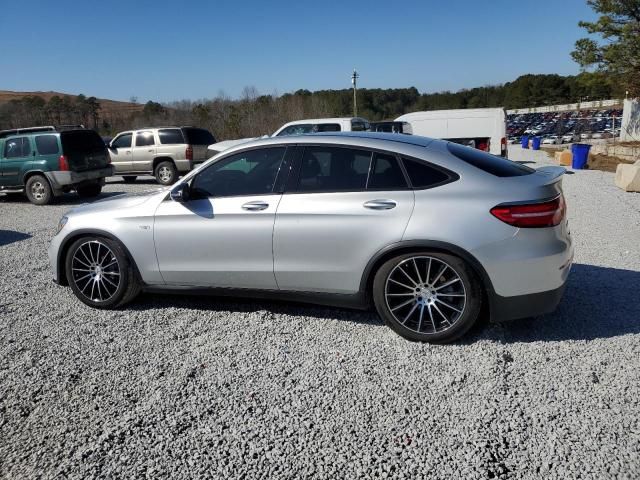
(69, 239)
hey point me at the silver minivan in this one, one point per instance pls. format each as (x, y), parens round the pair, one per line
(164, 152)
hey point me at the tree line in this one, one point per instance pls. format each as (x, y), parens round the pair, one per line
(255, 114)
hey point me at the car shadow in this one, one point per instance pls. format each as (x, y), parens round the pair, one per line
(8, 237)
(599, 302)
(65, 199)
(138, 181)
(217, 303)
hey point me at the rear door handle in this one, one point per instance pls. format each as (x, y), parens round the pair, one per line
(380, 204)
(255, 205)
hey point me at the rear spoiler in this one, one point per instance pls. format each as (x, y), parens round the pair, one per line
(552, 172)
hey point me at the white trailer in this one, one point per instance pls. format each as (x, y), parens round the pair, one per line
(482, 128)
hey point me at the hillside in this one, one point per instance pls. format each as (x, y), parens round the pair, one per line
(106, 106)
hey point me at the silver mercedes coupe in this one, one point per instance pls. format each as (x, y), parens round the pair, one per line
(431, 233)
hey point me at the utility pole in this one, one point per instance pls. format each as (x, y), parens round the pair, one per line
(354, 82)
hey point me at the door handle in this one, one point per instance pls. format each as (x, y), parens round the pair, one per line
(128, 152)
(150, 151)
(380, 204)
(255, 205)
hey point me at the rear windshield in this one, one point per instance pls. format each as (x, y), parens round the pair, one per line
(81, 141)
(492, 164)
(198, 136)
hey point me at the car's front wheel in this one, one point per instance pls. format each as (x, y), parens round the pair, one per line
(100, 273)
(427, 296)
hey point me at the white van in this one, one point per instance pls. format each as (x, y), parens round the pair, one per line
(348, 124)
(482, 128)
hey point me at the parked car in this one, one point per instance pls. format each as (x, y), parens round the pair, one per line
(341, 219)
(44, 163)
(552, 140)
(568, 138)
(585, 135)
(482, 128)
(164, 152)
(299, 127)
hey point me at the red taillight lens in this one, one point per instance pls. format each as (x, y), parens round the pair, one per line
(533, 215)
(189, 153)
(63, 164)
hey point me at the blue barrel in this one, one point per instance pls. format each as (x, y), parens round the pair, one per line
(580, 153)
(524, 141)
(535, 144)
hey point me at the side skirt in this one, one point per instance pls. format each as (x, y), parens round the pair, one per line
(356, 301)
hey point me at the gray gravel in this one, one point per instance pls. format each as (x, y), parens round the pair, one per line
(188, 387)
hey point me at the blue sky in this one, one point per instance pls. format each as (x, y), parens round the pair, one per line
(165, 51)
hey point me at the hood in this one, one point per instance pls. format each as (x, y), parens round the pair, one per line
(119, 202)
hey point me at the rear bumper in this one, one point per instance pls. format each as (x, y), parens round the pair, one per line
(524, 306)
(59, 179)
(183, 165)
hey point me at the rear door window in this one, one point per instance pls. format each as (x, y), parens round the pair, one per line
(331, 169)
(47, 144)
(328, 127)
(170, 136)
(17, 147)
(386, 173)
(492, 164)
(423, 175)
(144, 139)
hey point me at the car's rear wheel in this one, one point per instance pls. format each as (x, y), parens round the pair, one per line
(100, 273)
(38, 190)
(89, 191)
(130, 178)
(166, 173)
(427, 296)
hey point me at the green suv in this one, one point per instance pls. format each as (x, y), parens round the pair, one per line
(44, 162)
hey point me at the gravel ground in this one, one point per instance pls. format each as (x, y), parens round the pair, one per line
(188, 387)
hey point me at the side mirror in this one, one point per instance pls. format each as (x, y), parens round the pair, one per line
(180, 193)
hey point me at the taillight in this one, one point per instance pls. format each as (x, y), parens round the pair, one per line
(189, 153)
(63, 164)
(503, 143)
(532, 215)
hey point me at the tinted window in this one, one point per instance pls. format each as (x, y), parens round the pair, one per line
(497, 166)
(298, 129)
(17, 147)
(358, 126)
(248, 173)
(144, 139)
(198, 136)
(422, 175)
(326, 169)
(47, 144)
(386, 173)
(123, 141)
(170, 136)
(327, 127)
(81, 141)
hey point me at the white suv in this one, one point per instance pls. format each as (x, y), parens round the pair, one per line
(299, 127)
(163, 152)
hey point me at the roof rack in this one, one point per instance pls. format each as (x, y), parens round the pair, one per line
(18, 131)
(60, 128)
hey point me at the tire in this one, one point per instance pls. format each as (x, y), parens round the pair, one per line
(38, 190)
(421, 300)
(89, 191)
(113, 284)
(129, 178)
(166, 173)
